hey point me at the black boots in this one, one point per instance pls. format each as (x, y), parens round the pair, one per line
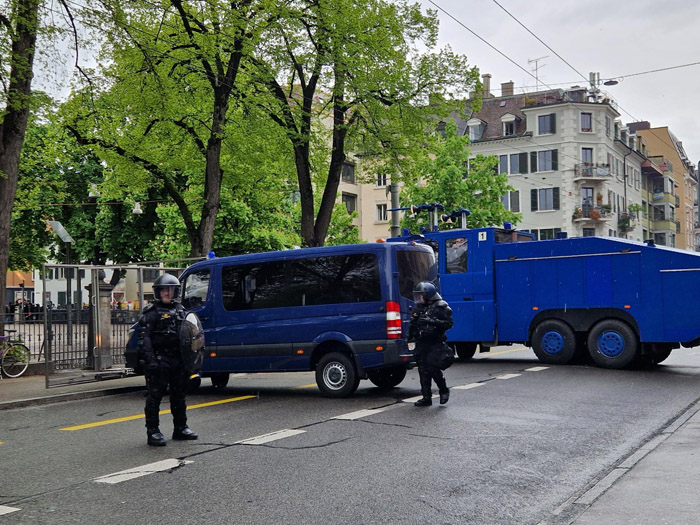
(155, 438)
(444, 396)
(423, 402)
(184, 434)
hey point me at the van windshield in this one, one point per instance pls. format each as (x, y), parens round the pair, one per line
(414, 267)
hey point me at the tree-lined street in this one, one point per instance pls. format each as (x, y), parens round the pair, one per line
(518, 442)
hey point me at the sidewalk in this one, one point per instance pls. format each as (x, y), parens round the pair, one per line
(659, 483)
(30, 390)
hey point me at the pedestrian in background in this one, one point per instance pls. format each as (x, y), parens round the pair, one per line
(159, 350)
(431, 318)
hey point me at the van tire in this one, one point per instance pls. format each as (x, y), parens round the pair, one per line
(554, 342)
(387, 378)
(336, 375)
(612, 344)
(219, 381)
(465, 351)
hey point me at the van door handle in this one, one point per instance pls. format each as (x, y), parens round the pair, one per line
(203, 318)
(467, 299)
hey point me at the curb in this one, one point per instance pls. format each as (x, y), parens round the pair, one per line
(73, 396)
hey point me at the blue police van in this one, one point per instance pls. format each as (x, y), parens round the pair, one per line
(341, 311)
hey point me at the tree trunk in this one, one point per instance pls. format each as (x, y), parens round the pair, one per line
(14, 125)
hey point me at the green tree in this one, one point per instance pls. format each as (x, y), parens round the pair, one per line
(446, 180)
(345, 76)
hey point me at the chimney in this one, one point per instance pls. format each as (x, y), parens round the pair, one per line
(487, 84)
(507, 88)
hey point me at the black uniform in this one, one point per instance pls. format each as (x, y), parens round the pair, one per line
(429, 323)
(159, 348)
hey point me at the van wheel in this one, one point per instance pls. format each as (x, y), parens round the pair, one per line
(612, 344)
(336, 375)
(465, 351)
(554, 342)
(219, 381)
(388, 377)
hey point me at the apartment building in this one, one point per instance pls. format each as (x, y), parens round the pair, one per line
(668, 151)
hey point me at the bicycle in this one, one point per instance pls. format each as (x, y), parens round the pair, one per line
(14, 356)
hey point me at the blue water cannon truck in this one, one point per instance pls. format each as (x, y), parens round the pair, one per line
(619, 301)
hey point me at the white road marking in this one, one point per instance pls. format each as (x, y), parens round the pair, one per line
(272, 436)
(536, 368)
(360, 413)
(6, 510)
(414, 399)
(467, 387)
(507, 376)
(144, 470)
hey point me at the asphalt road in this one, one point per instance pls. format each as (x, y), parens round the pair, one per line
(514, 446)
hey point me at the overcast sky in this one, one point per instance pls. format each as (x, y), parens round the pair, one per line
(612, 37)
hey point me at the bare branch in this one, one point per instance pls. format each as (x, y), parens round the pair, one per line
(75, 41)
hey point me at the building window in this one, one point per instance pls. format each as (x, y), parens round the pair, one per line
(549, 233)
(544, 160)
(518, 163)
(511, 201)
(348, 174)
(503, 164)
(476, 131)
(546, 124)
(508, 129)
(350, 201)
(382, 213)
(589, 232)
(544, 199)
(587, 155)
(587, 122)
(607, 126)
(381, 180)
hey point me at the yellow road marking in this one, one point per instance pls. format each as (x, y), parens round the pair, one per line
(304, 386)
(2, 442)
(489, 354)
(142, 416)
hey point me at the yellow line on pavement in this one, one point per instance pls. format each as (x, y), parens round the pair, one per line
(142, 416)
(2, 442)
(304, 386)
(489, 354)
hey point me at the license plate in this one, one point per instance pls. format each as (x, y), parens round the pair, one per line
(411, 346)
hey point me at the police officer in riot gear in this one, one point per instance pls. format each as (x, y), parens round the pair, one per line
(159, 349)
(431, 318)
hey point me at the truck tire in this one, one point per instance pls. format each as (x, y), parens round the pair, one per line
(336, 375)
(387, 378)
(612, 344)
(554, 342)
(220, 380)
(465, 351)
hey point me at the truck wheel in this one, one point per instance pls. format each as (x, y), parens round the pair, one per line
(554, 342)
(219, 381)
(387, 377)
(465, 351)
(336, 375)
(612, 344)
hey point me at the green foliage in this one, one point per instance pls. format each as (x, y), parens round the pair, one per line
(444, 179)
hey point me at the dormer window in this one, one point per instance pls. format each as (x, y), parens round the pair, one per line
(476, 128)
(509, 123)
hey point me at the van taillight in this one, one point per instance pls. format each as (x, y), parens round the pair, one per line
(393, 320)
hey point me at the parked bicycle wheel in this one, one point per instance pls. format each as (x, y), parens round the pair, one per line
(15, 360)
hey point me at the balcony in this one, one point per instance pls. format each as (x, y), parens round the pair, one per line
(663, 224)
(658, 197)
(590, 214)
(591, 172)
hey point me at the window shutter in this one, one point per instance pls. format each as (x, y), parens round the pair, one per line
(555, 198)
(533, 200)
(522, 160)
(553, 123)
(555, 160)
(515, 201)
(533, 161)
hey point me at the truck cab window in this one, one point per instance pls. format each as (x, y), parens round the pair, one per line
(456, 255)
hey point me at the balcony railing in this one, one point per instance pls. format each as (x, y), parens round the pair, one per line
(591, 213)
(586, 169)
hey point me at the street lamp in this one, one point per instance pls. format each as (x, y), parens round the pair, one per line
(59, 230)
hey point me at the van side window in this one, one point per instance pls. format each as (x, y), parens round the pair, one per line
(302, 282)
(195, 289)
(414, 267)
(338, 279)
(456, 255)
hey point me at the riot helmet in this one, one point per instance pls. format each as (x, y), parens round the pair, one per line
(425, 292)
(166, 281)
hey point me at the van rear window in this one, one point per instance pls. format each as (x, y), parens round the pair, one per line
(302, 282)
(414, 267)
